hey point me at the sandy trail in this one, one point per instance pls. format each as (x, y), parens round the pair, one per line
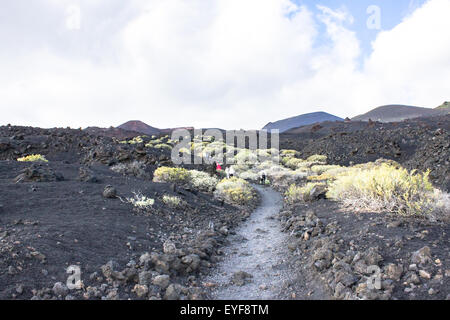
(258, 248)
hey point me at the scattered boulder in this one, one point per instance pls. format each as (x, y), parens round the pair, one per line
(421, 256)
(316, 193)
(38, 173)
(60, 289)
(140, 290)
(110, 192)
(87, 175)
(169, 247)
(173, 292)
(192, 262)
(161, 281)
(372, 256)
(394, 272)
(239, 278)
(424, 274)
(145, 277)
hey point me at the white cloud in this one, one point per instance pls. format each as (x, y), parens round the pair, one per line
(73, 19)
(217, 63)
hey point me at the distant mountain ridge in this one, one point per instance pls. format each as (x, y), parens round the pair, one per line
(139, 126)
(395, 113)
(301, 120)
(143, 128)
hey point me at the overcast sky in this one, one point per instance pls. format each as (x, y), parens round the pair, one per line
(217, 63)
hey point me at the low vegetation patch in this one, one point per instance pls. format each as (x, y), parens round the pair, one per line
(140, 201)
(33, 158)
(297, 193)
(135, 140)
(384, 188)
(134, 168)
(163, 146)
(203, 181)
(173, 202)
(171, 175)
(235, 191)
(321, 159)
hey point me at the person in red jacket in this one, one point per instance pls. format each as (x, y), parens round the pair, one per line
(218, 167)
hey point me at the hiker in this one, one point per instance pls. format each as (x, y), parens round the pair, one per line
(262, 178)
(231, 172)
(213, 169)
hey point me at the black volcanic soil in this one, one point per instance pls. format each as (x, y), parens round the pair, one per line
(332, 249)
(54, 214)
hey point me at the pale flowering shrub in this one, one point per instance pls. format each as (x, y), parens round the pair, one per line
(173, 202)
(202, 181)
(171, 175)
(235, 191)
(249, 175)
(246, 156)
(140, 201)
(135, 168)
(385, 188)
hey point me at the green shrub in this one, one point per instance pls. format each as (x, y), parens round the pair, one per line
(249, 175)
(173, 202)
(33, 158)
(294, 163)
(384, 188)
(235, 191)
(141, 202)
(202, 181)
(297, 193)
(317, 158)
(135, 140)
(322, 168)
(246, 157)
(330, 174)
(288, 153)
(163, 146)
(171, 175)
(135, 168)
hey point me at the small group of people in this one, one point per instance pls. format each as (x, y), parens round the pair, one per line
(230, 172)
(218, 170)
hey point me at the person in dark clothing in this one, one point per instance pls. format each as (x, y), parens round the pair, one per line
(262, 178)
(213, 169)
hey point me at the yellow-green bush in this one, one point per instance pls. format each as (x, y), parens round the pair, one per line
(235, 191)
(247, 157)
(135, 140)
(173, 201)
(171, 175)
(185, 151)
(140, 201)
(321, 159)
(297, 193)
(294, 163)
(322, 168)
(33, 158)
(203, 181)
(163, 146)
(288, 153)
(384, 188)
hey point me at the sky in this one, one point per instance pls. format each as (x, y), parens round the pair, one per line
(218, 63)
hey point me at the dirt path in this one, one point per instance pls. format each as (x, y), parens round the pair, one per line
(259, 249)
